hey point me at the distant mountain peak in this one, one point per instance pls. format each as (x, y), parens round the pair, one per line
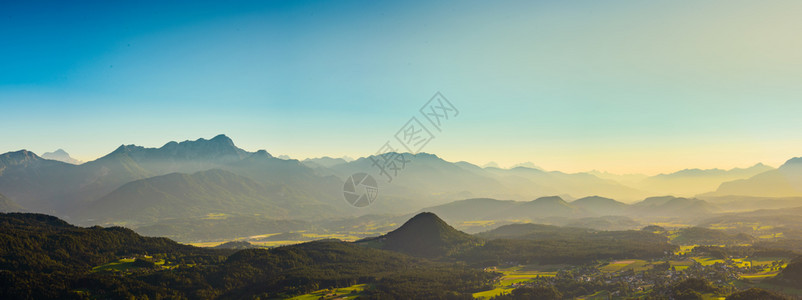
(528, 165)
(216, 148)
(262, 153)
(18, 157)
(62, 156)
(596, 199)
(658, 200)
(259, 156)
(127, 148)
(793, 161)
(549, 199)
(491, 164)
(324, 161)
(222, 138)
(429, 217)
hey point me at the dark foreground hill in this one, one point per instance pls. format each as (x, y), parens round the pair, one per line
(425, 235)
(791, 275)
(43, 257)
(544, 244)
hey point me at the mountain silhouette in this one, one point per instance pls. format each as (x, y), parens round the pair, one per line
(672, 206)
(71, 190)
(424, 235)
(785, 181)
(691, 182)
(600, 206)
(62, 156)
(178, 195)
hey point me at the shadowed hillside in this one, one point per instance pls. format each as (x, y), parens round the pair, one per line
(425, 235)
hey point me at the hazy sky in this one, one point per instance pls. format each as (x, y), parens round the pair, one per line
(622, 86)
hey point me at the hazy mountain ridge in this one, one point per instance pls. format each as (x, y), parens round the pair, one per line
(62, 156)
(178, 195)
(323, 162)
(785, 181)
(296, 190)
(438, 181)
(588, 210)
(600, 205)
(73, 190)
(690, 182)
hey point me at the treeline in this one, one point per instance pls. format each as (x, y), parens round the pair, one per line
(44, 257)
(688, 289)
(574, 247)
(46, 244)
(705, 236)
(741, 251)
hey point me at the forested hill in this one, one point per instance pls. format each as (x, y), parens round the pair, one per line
(425, 235)
(42, 243)
(43, 257)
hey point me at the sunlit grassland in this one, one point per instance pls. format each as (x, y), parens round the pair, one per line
(625, 265)
(119, 265)
(492, 293)
(258, 240)
(600, 295)
(668, 225)
(684, 249)
(213, 216)
(707, 261)
(207, 244)
(351, 292)
(771, 236)
(517, 274)
(125, 264)
(680, 265)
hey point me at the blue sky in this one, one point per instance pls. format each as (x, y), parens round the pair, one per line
(622, 86)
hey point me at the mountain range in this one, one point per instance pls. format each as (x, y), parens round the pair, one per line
(148, 181)
(193, 179)
(555, 210)
(785, 181)
(690, 182)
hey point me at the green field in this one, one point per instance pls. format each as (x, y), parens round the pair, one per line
(517, 274)
(684, 249)
(345, 236)
(625, 265)
(350, 292)
(680, 265)
(706, 261)
(123, 265)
